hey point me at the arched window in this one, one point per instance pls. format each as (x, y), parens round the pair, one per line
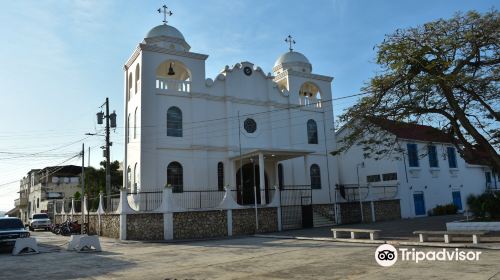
(129, 179)
(175, 176)
(280, 176)
(312, 132)
(137, 76)
(315, 177)
(220, 176)
(135, 123)
(134, 186)
(128, 128)
(129, 85)
(174, 122)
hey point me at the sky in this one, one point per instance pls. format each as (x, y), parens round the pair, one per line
(61, 59)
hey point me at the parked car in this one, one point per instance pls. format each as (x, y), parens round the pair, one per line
(10, 230)
(39, 221)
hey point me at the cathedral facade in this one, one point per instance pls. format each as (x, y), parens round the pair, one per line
(244, 129)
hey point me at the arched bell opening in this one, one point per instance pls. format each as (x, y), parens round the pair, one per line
(173, 75)
(310, 95)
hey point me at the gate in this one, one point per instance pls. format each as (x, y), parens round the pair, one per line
(296, 207)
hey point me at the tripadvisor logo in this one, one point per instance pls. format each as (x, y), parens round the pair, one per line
(387, 255)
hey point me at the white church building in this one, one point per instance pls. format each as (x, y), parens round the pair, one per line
(241, 129)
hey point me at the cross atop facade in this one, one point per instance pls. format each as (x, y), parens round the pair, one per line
(290, 42)
(165, 13)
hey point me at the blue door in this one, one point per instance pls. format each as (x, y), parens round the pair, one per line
(457, 199)
(418, 199)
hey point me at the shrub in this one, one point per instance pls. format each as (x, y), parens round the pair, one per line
(486, 205)
(448, 209)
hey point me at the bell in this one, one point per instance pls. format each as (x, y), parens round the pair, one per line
(171, 70)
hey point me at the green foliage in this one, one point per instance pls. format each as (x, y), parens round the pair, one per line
(444, 73)
(95, 179)
(77, 196)
(448, 209)
(486, 205)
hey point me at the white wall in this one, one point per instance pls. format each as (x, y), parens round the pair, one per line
(437, 184)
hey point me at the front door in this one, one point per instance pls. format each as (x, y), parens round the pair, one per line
(457, 199)
(246, 193)
(418, 199)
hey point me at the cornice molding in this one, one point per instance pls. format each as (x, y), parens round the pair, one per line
(156, 49)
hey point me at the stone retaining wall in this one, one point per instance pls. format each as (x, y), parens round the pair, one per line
(326, 210)
(200, 224)
(386, 210)
(110, 223)
(244, 220)
(147, 226)
(350, 212)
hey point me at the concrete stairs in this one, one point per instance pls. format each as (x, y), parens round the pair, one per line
(321, 221)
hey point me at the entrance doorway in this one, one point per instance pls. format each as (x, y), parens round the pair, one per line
(418, 199)
(245, 193)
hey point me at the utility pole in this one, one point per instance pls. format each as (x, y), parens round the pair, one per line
(108, 173)
(83, 189)
(110, 123)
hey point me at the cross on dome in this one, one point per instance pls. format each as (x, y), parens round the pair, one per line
(165, 13)
(290, 42)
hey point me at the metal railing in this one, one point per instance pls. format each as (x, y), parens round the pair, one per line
(198, 199)
(145, 200)
(110, 204)
(93, 203)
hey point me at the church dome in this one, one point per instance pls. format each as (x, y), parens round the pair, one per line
(292, 60)
(291, 57)
(165, 30)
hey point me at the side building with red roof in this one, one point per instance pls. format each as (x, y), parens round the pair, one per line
(418, 171)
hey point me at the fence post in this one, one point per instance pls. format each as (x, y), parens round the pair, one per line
(276, 202)
(122, 209)
(72, 207)
(167, 208)
(100, 211)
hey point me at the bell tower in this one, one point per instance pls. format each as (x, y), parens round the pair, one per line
(160, 76)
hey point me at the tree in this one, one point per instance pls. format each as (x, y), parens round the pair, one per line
(95, 179)
(445, 73)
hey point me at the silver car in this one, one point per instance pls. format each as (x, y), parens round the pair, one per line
(39, 221)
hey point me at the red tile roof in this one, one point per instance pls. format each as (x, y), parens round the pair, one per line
(413, 131)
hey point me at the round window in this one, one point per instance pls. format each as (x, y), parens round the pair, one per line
(250, 125)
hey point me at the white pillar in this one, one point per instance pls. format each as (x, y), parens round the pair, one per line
(229, 222)
(168, 226)
(262, 179)
(123, 226)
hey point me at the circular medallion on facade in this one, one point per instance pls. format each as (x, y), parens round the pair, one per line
(247, 70)
(250, 125)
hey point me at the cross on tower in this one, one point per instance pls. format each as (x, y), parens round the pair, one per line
(290, 42)
(165, 13)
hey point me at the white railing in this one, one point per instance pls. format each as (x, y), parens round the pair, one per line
(173, 85)
(310, 102)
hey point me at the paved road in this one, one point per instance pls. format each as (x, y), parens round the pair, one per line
(238, 258)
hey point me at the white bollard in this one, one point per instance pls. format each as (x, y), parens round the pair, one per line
(25, 243)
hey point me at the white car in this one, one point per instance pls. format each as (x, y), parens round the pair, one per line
(39, 221)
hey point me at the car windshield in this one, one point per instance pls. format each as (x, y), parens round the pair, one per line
(10, 224)
(40, 216)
